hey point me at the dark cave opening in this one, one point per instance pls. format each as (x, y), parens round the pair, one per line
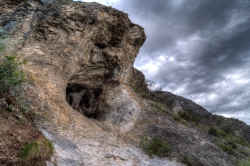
(99, 45)
(84, 100)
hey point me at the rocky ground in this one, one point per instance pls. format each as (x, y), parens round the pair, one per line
(16, 131)
(87, 98)
(195, 134)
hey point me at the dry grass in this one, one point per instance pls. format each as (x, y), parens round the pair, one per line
(155, 146)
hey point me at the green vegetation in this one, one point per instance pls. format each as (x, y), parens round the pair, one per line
(231, 140)
(10, 107)
(227, 147)
(10, 74)
(185, 115)
(40, 149)
(155, 146)
(216, 132)
(24, 109)
(2, 41)
(1, 46)
(177, 118)
(188, 160)
(141, 86)
(244, 163)
(160, 108)
(229, 134)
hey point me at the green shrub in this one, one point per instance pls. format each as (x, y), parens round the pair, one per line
(213, 131)
(185, 115)
(10, 107)
(177, 118)
(23, 109)
(155, 146)
(244, 163)
(188, 160)
(10, 74)
(238, 140)
(226, 147)
(39, 149)
(216, 132)
(228, 137)
(158, 108)
(1, 46)
(1, 41)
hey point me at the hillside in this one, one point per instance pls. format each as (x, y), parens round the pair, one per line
(84, 95)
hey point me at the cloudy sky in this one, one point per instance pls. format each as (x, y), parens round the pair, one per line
(199, 49)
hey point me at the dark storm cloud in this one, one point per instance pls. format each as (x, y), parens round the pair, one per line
(197, 49)
(167, 21)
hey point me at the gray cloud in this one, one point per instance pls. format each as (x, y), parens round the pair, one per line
(197, 49)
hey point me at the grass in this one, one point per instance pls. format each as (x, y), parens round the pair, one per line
(185, 115)
(2, 45)
(227, 147)
(230, 139)
(188, 160)
(40, 149)
(24, 109)
(237, 140)
(155, 146)
(216, 132)
(10, 74)
(161, 108)
(244, 163)
(177, 118)
(227, 130)
(158, 108)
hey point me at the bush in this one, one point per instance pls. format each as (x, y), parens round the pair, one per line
(188, 160)
(213, 131)
(1, 46)
(185, 115)
(155, 146)
(217, 132)
(158, 108)
(177, 118)
(226, 147)
(40, 149)
(244, 163)
(1, 40)
(10, 74)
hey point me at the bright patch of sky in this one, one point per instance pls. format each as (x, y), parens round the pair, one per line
(104, 2)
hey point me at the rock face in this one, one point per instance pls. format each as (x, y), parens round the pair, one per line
(80, 57)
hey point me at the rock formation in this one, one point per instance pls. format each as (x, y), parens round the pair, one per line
(80, 57)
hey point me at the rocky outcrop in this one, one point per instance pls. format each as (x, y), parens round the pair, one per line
(201, 116)
(80, 57)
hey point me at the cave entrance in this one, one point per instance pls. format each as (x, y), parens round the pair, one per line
(84, 100)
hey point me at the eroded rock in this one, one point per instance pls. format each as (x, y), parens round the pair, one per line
(81, 56)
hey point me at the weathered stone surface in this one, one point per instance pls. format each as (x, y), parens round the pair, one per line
(81, 56)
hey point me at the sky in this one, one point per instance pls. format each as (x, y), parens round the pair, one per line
(198, 49)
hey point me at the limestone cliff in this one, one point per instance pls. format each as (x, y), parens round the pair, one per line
(80, 56)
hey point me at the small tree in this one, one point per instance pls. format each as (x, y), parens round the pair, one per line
(10, 74)
(155, 146)
(152, 86)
